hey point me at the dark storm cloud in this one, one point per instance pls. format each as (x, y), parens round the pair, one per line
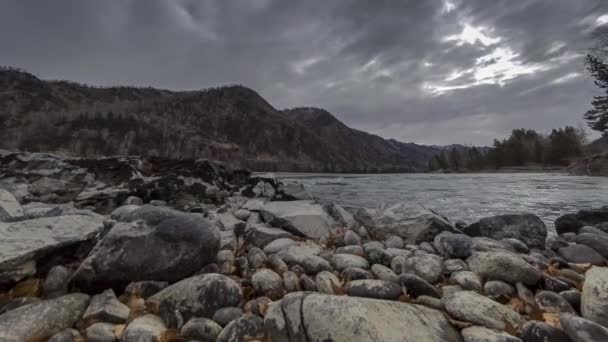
(432, 71)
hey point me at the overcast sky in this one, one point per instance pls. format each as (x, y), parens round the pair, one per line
(426, 71)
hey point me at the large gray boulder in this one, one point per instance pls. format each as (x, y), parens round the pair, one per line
(413, 223)
(504, 266)
(528, 228)
(572, 223)
(474, 308)
(42, 319)
(155, 244)
(24, 242)
(199, 296)
(302, 218)
(598, 242)
(317, 317)
(10, 209)
(594, 301)
(583, 330)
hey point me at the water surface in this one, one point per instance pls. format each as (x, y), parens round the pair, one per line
(466, 197)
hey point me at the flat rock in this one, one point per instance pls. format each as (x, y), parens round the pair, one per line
(302, 218)
(25, 241)
(42, 319)
(594, 301)
(172, 245)
(341, 318)
(373, 288)
(198, 296)
(261, 236)
(474, 308)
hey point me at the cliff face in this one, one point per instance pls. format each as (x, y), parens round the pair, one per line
(231, 124)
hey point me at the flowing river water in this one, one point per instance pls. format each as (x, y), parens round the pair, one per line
(466, 197)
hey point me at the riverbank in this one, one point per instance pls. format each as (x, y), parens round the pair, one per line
(132, 249)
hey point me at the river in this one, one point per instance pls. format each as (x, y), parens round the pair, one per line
(466, 197)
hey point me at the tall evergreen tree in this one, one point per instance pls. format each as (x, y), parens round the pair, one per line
(597, 117)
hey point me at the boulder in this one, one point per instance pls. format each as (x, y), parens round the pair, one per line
(302, 218)
(56, 282)
(42, 319)
(428, 266)
(245, 328)
(571, 223)
(552, 302)
(267, 283)
(101, 332)
(10, 209)
(414, 224)
(598, 242)
(261, 236)
(327, 282)
(105, 307)
(24, 242)
(467, 280)
(342, 261)
(594, 301)
(155, 244)
(224, 316)
(355, 273)
(198, 296)
(583, 330)
(374, 288)
(498, 290)
(383, 273)
(342, 217)
(474, 308)
(416, 286)
(67, 335)
(458, 246)
(528, 228)
(146, 328)
(535, 331)
(581, 254)
(316, 317)
(505, 266)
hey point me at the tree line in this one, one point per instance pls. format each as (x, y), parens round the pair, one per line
(524, 147)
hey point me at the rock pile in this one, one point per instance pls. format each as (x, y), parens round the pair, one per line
(251, 266)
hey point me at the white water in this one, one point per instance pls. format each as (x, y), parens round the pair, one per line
(466, 197)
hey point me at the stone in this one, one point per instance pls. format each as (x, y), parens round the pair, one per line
(574, 298)
(67, 335)
(327, 282)
(146, 328)
(298, 253)
(594, 300)
(447, 290)
(291, 282)
(225, 261)
(261, 236)
(394, 241)
(528, 228)
(416, 286)
(384, 273)
(507, 267)
(302, 218)
(43, 318)
(321, 317)
(224, 316)
(455, 265)
(105, 307)
(518, 245)
(458, 246)
(278, 245)
(352, 249)
(16, 303)
(56, 282)
(593, 230)
(373, 288)
(257, 306)
(413, 223)
(10, 209)
(380, 256)
(474, 308)
(484, 244)
(581, 254)
(556, 285)
(172, 245)
(552, 302)
(256, 257)
(267, 283)
(535, 331)
(351, 238)
(393, 252)
(498, 290)
(201, 329)
(145, 288)
(571, 223)
(355, 273)
(598, 242)
(342, 217)
(242, 214)
(467, 280)
(23, 242)
(133, 200)
(481, 334)
(342, 261)
(583, 330)
(198, 296)
(307, 284)
(101, 332)
(431, 302)
(429, 267)
(244, 328)
(277, 264)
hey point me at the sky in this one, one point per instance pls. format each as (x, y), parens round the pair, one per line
(424, 71)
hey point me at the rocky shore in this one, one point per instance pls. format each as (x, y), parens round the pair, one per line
(147, 249)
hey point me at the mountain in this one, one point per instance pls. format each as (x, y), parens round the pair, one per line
(231, 123)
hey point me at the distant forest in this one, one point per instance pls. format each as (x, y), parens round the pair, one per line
(525, 147)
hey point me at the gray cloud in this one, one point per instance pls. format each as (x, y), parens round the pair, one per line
(433, 71)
